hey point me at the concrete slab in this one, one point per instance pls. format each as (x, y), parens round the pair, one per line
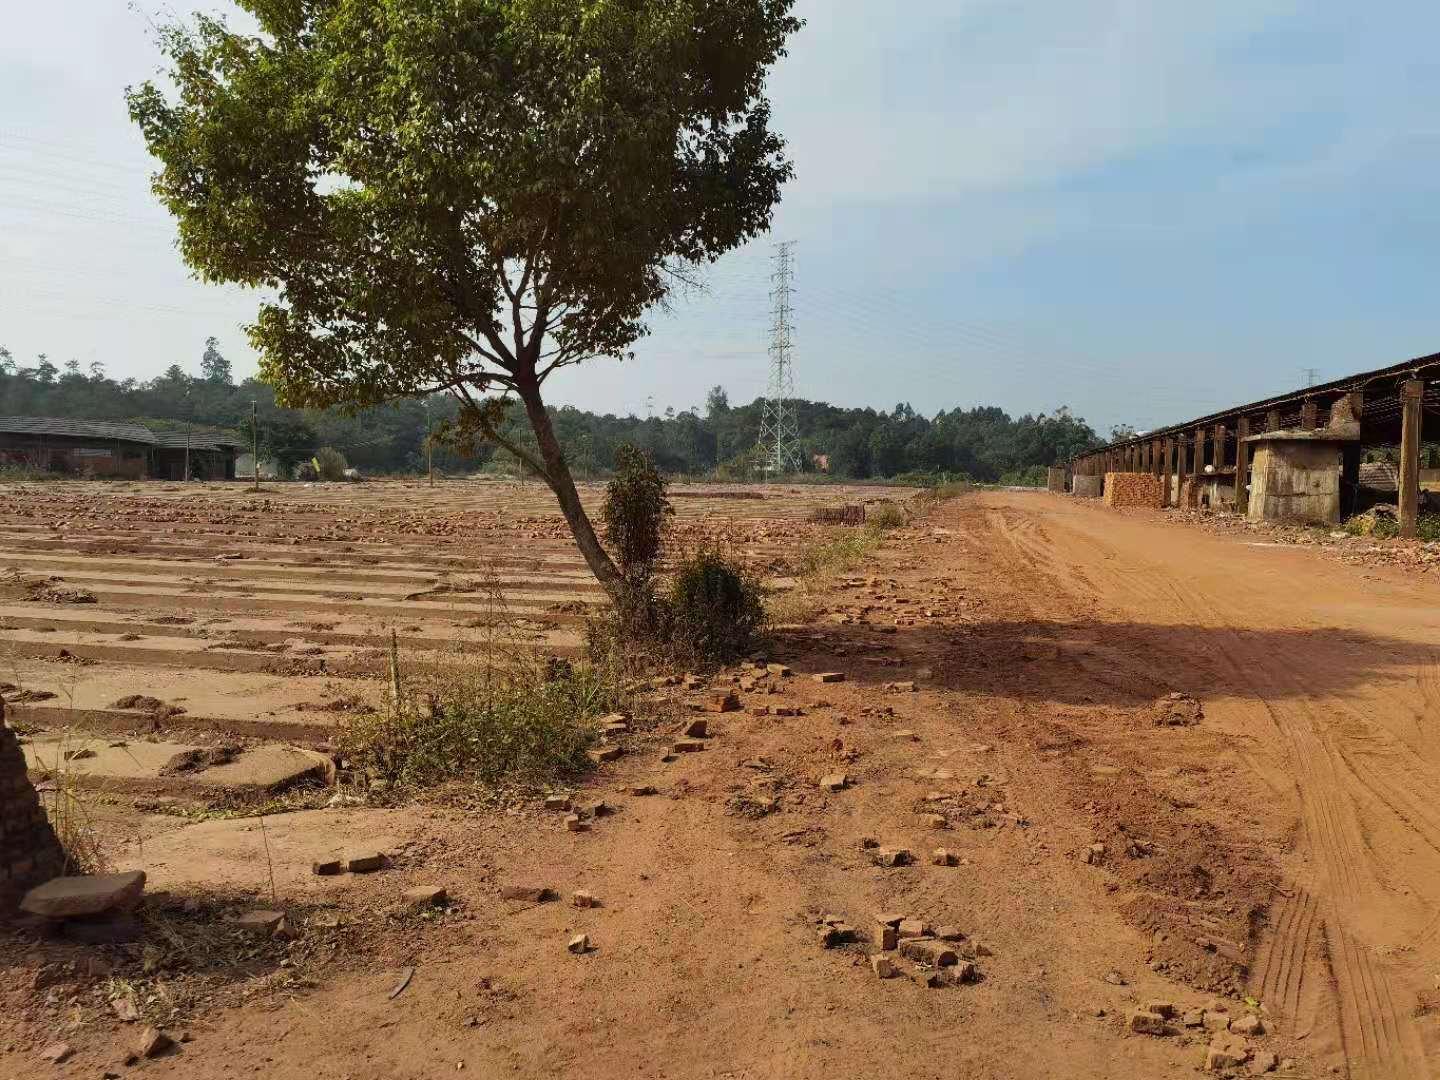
(94, 894)
(136, 766)
(232, 854)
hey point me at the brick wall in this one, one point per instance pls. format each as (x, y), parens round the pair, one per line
(1133, 489)
(29, 853)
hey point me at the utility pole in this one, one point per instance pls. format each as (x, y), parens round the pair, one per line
(255, 441)
(429, 445)
(1311, 374)
(189, 423)
(779, 443)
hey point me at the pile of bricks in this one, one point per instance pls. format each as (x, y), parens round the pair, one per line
(29, 852)
(1133, 489)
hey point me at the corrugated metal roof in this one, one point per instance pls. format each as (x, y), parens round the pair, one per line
(196, 440)
(75, 429)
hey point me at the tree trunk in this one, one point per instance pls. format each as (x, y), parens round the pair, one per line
(30, 855)
(557, 475)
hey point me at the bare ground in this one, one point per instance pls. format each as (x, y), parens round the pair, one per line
(1282, 848)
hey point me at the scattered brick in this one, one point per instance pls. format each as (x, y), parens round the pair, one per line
(534, 894)
(579, 944)
(327, 867)
(829, 676)
(364, 862)
(883, 966)
(424, 896)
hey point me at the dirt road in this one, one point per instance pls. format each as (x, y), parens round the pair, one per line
(1325, 678)
(1009, 664)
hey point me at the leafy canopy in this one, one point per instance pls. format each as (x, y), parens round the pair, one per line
(462, 194)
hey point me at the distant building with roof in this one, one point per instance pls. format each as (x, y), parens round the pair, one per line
(102, 448)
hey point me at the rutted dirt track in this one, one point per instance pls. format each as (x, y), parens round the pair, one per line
(1286, 847)
(1327, 678)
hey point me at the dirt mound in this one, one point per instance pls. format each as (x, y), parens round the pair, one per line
(147, 704)
(193, 761)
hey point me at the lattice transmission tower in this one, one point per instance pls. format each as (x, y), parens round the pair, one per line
(779, 444)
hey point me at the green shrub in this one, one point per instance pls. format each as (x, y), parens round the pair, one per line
(634, 514)
(530, 726)
(885, 515)
(713, 610)
(330, 463)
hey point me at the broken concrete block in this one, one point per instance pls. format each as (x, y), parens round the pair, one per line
(606, 753)
(935, 821)
(829, 676)
(364, 861)
(1249, 1024)
(57, 1052)
(944, 857)
(835, 782)
(889, 937)
(779, 669)
(688, 746)
(1193, 1018)
(1165, 1009)
(953, 975)
(643, 789)
(868, 843)
(728, 701)
(1226, 1052)
(1214, 1022)
(582, 899)
(573, 823)
(837, 934)
(578, 944)
(697, 729)
(557, 802)
(893, 857)
(927, 950)
(883, 966)
(951, 933)
(1263, 1062)
(327, 867)
(1145, 1022)
(261, 923)
(92, 894)
(152, 1043)
(424, 896)
(533, 894)
(913, 928)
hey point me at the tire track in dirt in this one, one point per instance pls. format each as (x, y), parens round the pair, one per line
(1362, 792)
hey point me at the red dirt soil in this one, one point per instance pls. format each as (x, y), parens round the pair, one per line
(1286, 846)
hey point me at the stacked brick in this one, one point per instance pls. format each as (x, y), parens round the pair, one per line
(1124, 489)
(29, 852)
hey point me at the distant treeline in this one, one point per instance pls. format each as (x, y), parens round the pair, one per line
(983, 444)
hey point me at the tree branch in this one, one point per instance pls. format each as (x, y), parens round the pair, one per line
(489, 431)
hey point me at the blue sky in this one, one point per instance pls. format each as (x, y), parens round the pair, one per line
(1144, 209)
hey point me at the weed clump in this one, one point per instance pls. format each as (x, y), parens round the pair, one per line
(709, 613)
(713, 608)
(330, 463)
(527, 726)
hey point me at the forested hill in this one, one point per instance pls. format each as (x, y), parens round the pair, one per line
(982, 443)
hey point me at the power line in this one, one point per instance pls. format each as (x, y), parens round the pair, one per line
(779, 442)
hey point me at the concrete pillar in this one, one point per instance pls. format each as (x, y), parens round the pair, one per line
(1242, 464)
(1157, 450)
(1217, 449)
(1198, 466)
(1307, 415)
(1167, 454)
(1411, 419)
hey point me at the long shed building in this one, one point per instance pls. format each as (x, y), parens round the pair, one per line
(1294, 457)
(106, 449)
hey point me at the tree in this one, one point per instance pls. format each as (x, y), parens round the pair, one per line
(717, 402)
(465, 195)
(214, 368)
(45, 371)
(1121, 433)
